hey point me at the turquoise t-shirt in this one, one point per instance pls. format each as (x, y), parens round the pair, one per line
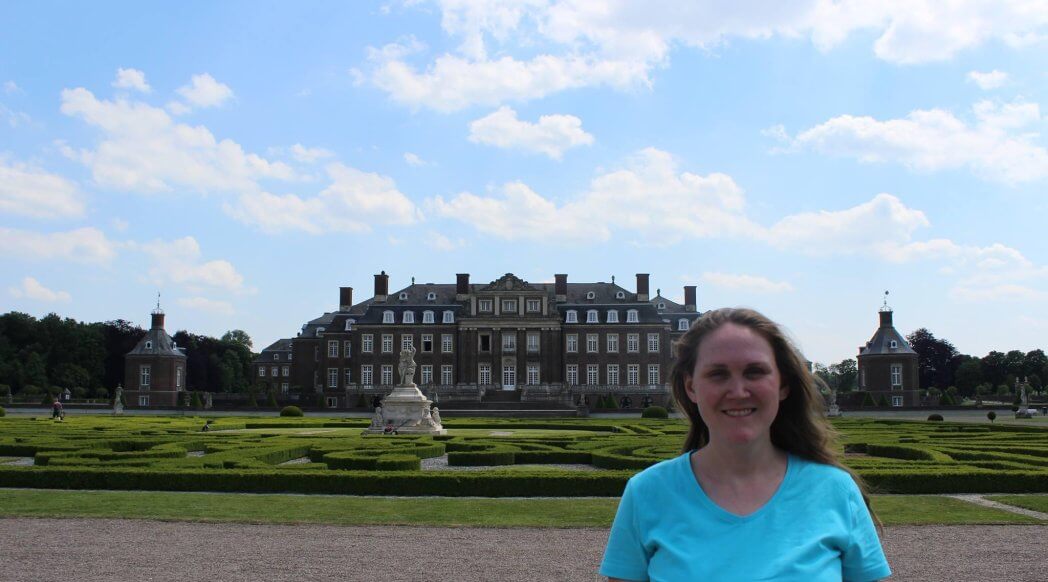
(814, 528)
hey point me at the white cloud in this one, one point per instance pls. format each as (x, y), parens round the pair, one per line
(119, 224)
(206, 305)
(33, 289)
(131, 79)
(177, 108)
(144, 150)
(987, 81)
(992, 147)
(750, 283)
(415, 161)
(552, 135)
(179, 261)
(351, 203)
(309, 155)
(205, 91)
(32, 192)
(10, 88)
(84, 245)
(445, 244)
(14, 118)
(650, 199)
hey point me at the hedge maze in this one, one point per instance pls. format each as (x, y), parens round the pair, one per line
(479, 457)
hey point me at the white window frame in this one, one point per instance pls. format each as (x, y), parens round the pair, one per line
(332, 378)
(408, 317)
(178, 377)
(427, 338)
(261, 372)
(276, 357)
(682, 324)
(592, 343)
(572, 375)
(572, 343)
(388, 317)
(509, 342)
(654, 378)
(349, 324)
(347, 373)
(613, 316)
(332, 348)
(367, 375)
(613, 374)
(592, 316)
(897, 400)
(509, 306)
(533, 340)
(632, 343)
(274, 371)
(620, 295)
(387, 343)
(143, 400)
(632, 316)
(447, 343)
(449, 316)
(407, 340)
(320, 332)
(592, 375)
(612, 343)
(485, 305)
(653, 343)
(386, 377)
(347, 349)
(633, 374)
(571, 316)
(484, 374)
(367, 343)
(427, 317)
(431, 296)
(285, 371)
(533, 305)
(896, 376)
(532, 374)
(145, 376)
(447, 375)
(427, 374)
(284, 387)
(403, 296)
(590, 295)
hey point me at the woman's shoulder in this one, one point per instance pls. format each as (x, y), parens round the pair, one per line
(813, 474)
(657, 475)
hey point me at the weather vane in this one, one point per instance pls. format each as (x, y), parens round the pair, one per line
(885, 307)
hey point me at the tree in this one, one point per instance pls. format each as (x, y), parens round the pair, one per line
(1014, 362)
(994, 370)
(847, 372)
(1034, 363)
(239, 337)
(934, 359)
(968, 376)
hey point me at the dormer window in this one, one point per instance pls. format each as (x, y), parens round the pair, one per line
(449, 317)
(403, 296)
(613, 316)
(620, 295)
(320, 332)
(427, 317)
(149, 345)
(387, 317)
(349, 324)
(431, 296)
(682, 324)
(894, 344)
(591, 316)
(662, 306)
(571, 316)
(409, 317)
(631, 316)
(276, 357)
(590, 295)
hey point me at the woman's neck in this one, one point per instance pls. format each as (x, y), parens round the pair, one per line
(727, 462)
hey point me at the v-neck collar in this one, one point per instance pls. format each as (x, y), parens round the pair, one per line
(700, 494)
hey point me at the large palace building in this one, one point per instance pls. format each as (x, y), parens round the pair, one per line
(569, 343)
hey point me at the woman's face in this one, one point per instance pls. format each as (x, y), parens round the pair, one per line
(736, 385)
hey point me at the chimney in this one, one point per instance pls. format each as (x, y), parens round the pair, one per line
(689, 298)
(158, 320)
(642, 287)
(381, 287)
(345, 298)
(461, 286)
(886, 318)
(560, 286)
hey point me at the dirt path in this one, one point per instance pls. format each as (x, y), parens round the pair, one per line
(42, 550)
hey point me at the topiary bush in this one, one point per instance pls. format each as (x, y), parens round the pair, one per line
(867, 400)
(655, 412)
(991, 415)
(291, 411)
(936, 417)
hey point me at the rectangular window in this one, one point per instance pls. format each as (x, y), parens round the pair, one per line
(484, 374)
(534, 305)
(613, 343)
(349, 375)
(387, 375)
(533, 342)
(446, 377)
(571, 317)
(367, 343)
(653, 374)
(285, 371)
(427, 317)
(533, 374)
(485, 342)
(332, 401)
(484, 305)
(573, 374)
(591, 316)
(284, 388)
(509, 306)
(178, 377)
(633, 374)
(143, 401)
(592, 374)
(896, 376)
(631, 316)
(592, 343)
(896, 400)
(145, 374)
(347, 349)
(387, 343)
(427, 343)
(332, 348)
(366, 378)
(449, 317)
(274, 371)
(332, 378)
(613, 374)
(613, 316)
(573, 343)
(407, 341)
(409, 317)
(509, 375)
(509, 341)
(261, 371)
(633, 342)
(427, 374)
(653, 342)
(445, 343)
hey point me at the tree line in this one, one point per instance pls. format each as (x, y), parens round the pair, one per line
(52, 354)
(941, 367)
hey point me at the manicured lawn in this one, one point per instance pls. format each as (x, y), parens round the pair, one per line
(427, 511)
(510, 432)
(1034, 502)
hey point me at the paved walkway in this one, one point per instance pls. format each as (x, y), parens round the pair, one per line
(981, 500)
(59, 550)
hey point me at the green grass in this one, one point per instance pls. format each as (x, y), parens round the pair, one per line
(1034, 502)
(426, 511)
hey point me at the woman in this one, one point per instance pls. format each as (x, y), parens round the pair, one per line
(758, 493)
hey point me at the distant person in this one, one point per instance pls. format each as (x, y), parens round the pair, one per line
(57, 410)
(390, 429)
(758, 493)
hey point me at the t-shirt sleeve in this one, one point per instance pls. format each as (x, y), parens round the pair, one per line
(863, 559)
(625, 556)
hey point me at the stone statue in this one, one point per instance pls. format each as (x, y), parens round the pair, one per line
(1022, 393)
(207, 400)
(407, 366)
(118, 397)
(435, 414)
(187, 398)
(376, 419)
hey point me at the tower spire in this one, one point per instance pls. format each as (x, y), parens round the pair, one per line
(885, 306)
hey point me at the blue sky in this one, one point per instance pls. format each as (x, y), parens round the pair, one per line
(246, 159)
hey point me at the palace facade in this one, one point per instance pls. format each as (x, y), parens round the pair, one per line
(571, 343)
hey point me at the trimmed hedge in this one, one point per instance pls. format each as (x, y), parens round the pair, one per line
(291, 411)
(655, 412)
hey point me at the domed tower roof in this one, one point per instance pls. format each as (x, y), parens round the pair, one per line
(887, 339)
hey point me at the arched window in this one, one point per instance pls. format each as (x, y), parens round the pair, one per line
(682, 324)
(149, 345)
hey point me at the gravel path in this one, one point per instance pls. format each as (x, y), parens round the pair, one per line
(42, 550)
(980, 500)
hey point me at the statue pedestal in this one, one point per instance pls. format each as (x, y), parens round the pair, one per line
(834, 411)
(408, 410)
(1023, 412)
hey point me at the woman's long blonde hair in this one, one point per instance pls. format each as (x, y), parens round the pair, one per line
(800, 427)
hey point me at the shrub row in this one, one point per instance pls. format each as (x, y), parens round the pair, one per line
(353, 461)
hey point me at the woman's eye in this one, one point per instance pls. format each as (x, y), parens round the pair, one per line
(755, 372)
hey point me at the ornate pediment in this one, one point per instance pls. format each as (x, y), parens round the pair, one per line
(509, 282)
